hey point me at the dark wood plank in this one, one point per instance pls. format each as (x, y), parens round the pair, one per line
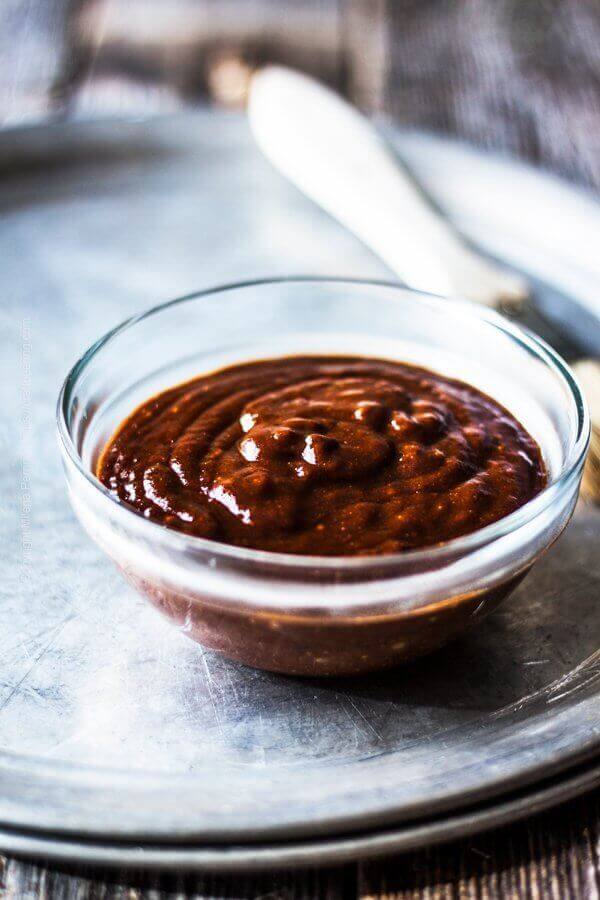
(365, 45)
(554, 855)
(514, 76)
(22, 880)
(520, 77)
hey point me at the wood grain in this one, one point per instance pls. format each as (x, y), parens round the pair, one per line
(553, 855)
(519, 77)
(33, 41)
(523, 78)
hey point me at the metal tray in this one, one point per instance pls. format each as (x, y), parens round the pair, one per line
(113, 726)
(340, 849)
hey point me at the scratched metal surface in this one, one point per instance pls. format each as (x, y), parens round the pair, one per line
(114, 724)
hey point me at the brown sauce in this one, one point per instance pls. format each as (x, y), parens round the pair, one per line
(339, 456)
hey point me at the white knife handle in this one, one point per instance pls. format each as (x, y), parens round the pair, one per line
(334, 155)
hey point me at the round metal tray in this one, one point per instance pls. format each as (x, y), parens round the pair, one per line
(337, 850)
(113, 726)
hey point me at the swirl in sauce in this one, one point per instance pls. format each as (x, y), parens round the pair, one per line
(339, 456)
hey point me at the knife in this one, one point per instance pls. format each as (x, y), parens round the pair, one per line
(337, 158)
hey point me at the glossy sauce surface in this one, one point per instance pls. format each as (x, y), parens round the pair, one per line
(339, 456)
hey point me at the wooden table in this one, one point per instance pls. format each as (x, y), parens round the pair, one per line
(520, 77)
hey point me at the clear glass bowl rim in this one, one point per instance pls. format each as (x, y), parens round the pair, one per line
(456, 547)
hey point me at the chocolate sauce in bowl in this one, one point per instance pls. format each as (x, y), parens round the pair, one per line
(328, 456)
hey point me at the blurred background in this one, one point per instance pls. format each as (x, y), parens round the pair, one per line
(520, 76)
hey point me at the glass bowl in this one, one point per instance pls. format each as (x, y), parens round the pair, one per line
(311, 615)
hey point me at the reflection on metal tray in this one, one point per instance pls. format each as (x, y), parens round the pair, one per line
(112, 724)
